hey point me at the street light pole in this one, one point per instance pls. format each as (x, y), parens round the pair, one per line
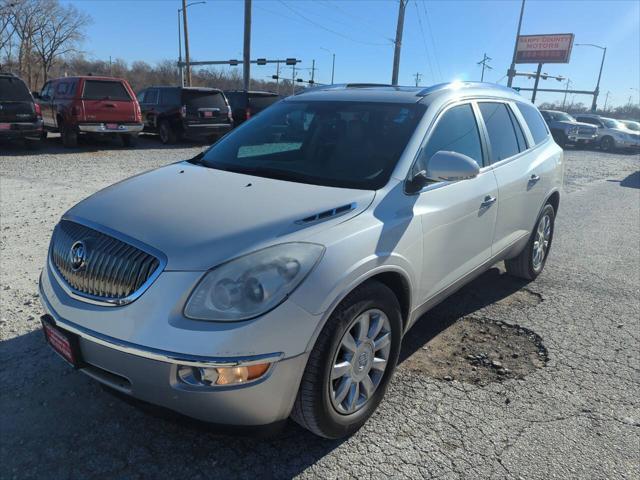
(564, 100)
(333, 62)
(398, 43)
(246, 51)
(596, 92)
(186, 41)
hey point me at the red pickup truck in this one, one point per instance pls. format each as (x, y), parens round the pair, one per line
(102, 106)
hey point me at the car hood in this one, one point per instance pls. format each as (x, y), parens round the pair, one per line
(199, 217)
(575, 124)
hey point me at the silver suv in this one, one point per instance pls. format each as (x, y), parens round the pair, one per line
(612, 134)
(275, 274)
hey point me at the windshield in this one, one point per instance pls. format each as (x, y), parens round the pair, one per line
(611, 123)
(13, 90)
(563, 117)
(340, 144)
(635, 126)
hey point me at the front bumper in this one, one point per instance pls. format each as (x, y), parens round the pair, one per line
(16, 130)
(146, 366)
(582, 138)
(102, 128)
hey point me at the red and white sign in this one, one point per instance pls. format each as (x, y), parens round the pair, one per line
(551, 48)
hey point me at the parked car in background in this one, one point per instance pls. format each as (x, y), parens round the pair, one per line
(90, 105)
(277, 272)
(20, 117)
(612, 134)
(631, 125)
(246, 104)
(185, 112)
(565, 129)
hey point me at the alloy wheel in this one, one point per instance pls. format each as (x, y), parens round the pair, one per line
(541, 241)
(360, 361)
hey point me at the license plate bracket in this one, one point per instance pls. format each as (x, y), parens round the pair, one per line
(65, 344)
(111, 126)
(5, 126)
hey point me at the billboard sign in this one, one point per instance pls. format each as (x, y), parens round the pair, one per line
(549, 48)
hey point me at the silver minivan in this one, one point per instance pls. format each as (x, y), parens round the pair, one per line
(276, 273)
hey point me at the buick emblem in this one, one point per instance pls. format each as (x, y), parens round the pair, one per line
(78, 256)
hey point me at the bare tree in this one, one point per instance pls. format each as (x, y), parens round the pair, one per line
(59, 34)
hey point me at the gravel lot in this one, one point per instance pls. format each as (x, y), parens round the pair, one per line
(567, 406)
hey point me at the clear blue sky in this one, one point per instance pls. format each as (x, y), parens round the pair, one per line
(456, 34)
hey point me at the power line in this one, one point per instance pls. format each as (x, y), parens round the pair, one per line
(424, 40)
(336, 8)
(485, 64)
(316, 24)
(433, 43)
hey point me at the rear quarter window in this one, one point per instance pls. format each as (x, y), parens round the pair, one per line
(13, 89)
(104, 90)
(535, 122)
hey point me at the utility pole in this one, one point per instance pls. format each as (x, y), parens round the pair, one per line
(180, 52)
(277, 78)
(293, 80)
(398, 43)
(313, 70)
(485, 64)
(418, 77)
(333, 62)
(512, 69)
(535, 85)
(246, 53)
(566, 90)
(186, 41)
(606, 99)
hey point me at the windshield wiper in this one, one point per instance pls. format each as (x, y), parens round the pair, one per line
(197, 160)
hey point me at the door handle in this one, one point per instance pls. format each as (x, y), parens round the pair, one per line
(488, 201)
(534, 178)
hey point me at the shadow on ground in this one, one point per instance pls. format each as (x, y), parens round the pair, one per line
(631, 181)
(47, 408)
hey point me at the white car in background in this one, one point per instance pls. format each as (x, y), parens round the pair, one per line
(612, 133)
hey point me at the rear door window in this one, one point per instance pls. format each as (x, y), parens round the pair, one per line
(104, 90)
(456, 131)
(203, 99)
(500, 129)
(13, 89)
(536, 124)
(522, 143)
(260, 102)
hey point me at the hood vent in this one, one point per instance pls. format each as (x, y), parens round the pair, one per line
(327, 214)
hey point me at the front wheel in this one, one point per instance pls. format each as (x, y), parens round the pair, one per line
(167, 133)
(607, 144)
(529, 264)
(351, 363)
(69, 136)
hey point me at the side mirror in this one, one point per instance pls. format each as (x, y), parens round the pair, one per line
(451, 167)
(444, 166)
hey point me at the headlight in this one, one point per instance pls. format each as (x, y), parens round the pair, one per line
(573, 130)
(254, 284)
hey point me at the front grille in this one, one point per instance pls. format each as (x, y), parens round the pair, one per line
(112, 269)
(586, 130)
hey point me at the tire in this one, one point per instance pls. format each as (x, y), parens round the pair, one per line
(167, 134)
(560, 138)
(607, 144)
(315, 408)
(525, 265)
(129, 140)
(69, 136)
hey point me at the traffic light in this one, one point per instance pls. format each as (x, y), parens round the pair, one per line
(233, 63)
(275, 77)
(291, 61)
(261, 61)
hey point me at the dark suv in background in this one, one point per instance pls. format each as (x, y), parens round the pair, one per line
(178, 112)
(20, 117)
(91, 105)
(245, 104)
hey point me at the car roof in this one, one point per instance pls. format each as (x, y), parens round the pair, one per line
(367, 92)
(253, 92)
(553, 111)
(88, 77)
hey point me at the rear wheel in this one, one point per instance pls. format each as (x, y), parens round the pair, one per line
(607, 144)
(531, 261)
(167, 133)
(69, 136)
(351, 363)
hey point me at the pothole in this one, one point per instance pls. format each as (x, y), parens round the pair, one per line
(480, 351)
